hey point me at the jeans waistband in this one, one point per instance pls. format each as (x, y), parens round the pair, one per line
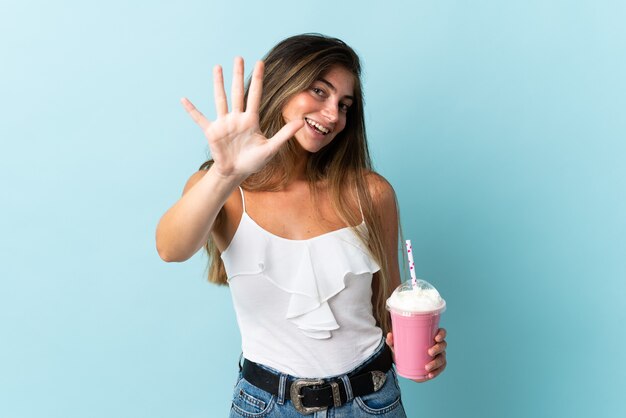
(382, 346)
(367, 377)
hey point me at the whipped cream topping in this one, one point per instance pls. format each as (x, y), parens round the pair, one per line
(416, 300)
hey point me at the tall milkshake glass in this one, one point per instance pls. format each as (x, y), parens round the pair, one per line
(415, 310)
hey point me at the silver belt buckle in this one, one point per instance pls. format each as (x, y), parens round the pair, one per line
(296, 397)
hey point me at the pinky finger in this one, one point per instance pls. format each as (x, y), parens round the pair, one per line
(195, 114)
(436, 373)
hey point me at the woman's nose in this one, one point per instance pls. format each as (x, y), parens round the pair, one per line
(331, 112)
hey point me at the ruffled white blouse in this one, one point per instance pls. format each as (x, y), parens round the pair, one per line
(303, 306)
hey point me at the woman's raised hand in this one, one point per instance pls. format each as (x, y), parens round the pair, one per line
(237, 145)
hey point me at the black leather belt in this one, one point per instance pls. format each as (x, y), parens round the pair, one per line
(311, 395)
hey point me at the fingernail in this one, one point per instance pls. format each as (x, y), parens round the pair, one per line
(428, 368)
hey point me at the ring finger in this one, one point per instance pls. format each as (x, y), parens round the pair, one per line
(221, 105)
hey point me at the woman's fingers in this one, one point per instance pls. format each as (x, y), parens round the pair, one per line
(436, 372)
(256, 88)
(437, 348)
(221, 105)
(435, 367)
(438, 351)
(236, 90)
(441, 335)
(195, 114)
(285, 134)
(389, 340)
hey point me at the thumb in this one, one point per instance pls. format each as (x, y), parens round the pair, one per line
(389, 339)
(285, 133)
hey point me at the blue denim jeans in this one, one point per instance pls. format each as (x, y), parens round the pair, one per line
(252, 402)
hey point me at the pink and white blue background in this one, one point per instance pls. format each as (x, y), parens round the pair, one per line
(501, 125)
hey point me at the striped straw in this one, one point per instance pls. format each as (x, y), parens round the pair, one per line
(409, 252)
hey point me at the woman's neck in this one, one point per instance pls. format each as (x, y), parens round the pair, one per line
(300, 163)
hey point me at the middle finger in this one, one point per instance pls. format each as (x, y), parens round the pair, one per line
(437, 348)
(236, 91)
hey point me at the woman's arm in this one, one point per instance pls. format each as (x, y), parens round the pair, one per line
(385, 206)
(186, 226)
(386, 212)
(238, 148)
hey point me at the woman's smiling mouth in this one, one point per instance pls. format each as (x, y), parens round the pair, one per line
(319, 128)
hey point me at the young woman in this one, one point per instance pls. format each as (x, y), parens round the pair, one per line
(302, 230)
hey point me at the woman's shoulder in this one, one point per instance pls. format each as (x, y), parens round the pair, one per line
(380, 189)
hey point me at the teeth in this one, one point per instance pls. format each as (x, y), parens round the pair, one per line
(318, 126)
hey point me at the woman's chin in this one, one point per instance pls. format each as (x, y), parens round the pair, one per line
(311, 145)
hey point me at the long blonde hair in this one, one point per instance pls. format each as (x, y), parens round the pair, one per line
(290, 68)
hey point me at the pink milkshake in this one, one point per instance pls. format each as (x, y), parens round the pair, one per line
(415, 312)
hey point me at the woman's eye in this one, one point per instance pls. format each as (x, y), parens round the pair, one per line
(317, 91)
(344, 107)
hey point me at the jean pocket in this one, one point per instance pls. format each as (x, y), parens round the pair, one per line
(250, 401)
(384, 400)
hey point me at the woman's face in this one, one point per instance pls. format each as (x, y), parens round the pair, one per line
(323, 106)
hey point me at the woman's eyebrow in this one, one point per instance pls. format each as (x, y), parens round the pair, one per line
(330, 86)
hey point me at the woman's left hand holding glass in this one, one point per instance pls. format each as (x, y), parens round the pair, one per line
(437, 351)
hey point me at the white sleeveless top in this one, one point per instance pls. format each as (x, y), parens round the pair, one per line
(303, 306)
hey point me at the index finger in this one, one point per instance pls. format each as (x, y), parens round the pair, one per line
(256, 88)
(441, 335)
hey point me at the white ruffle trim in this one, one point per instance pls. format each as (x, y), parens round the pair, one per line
(312, 271)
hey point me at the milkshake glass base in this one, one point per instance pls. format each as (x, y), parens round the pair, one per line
(422, 377)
